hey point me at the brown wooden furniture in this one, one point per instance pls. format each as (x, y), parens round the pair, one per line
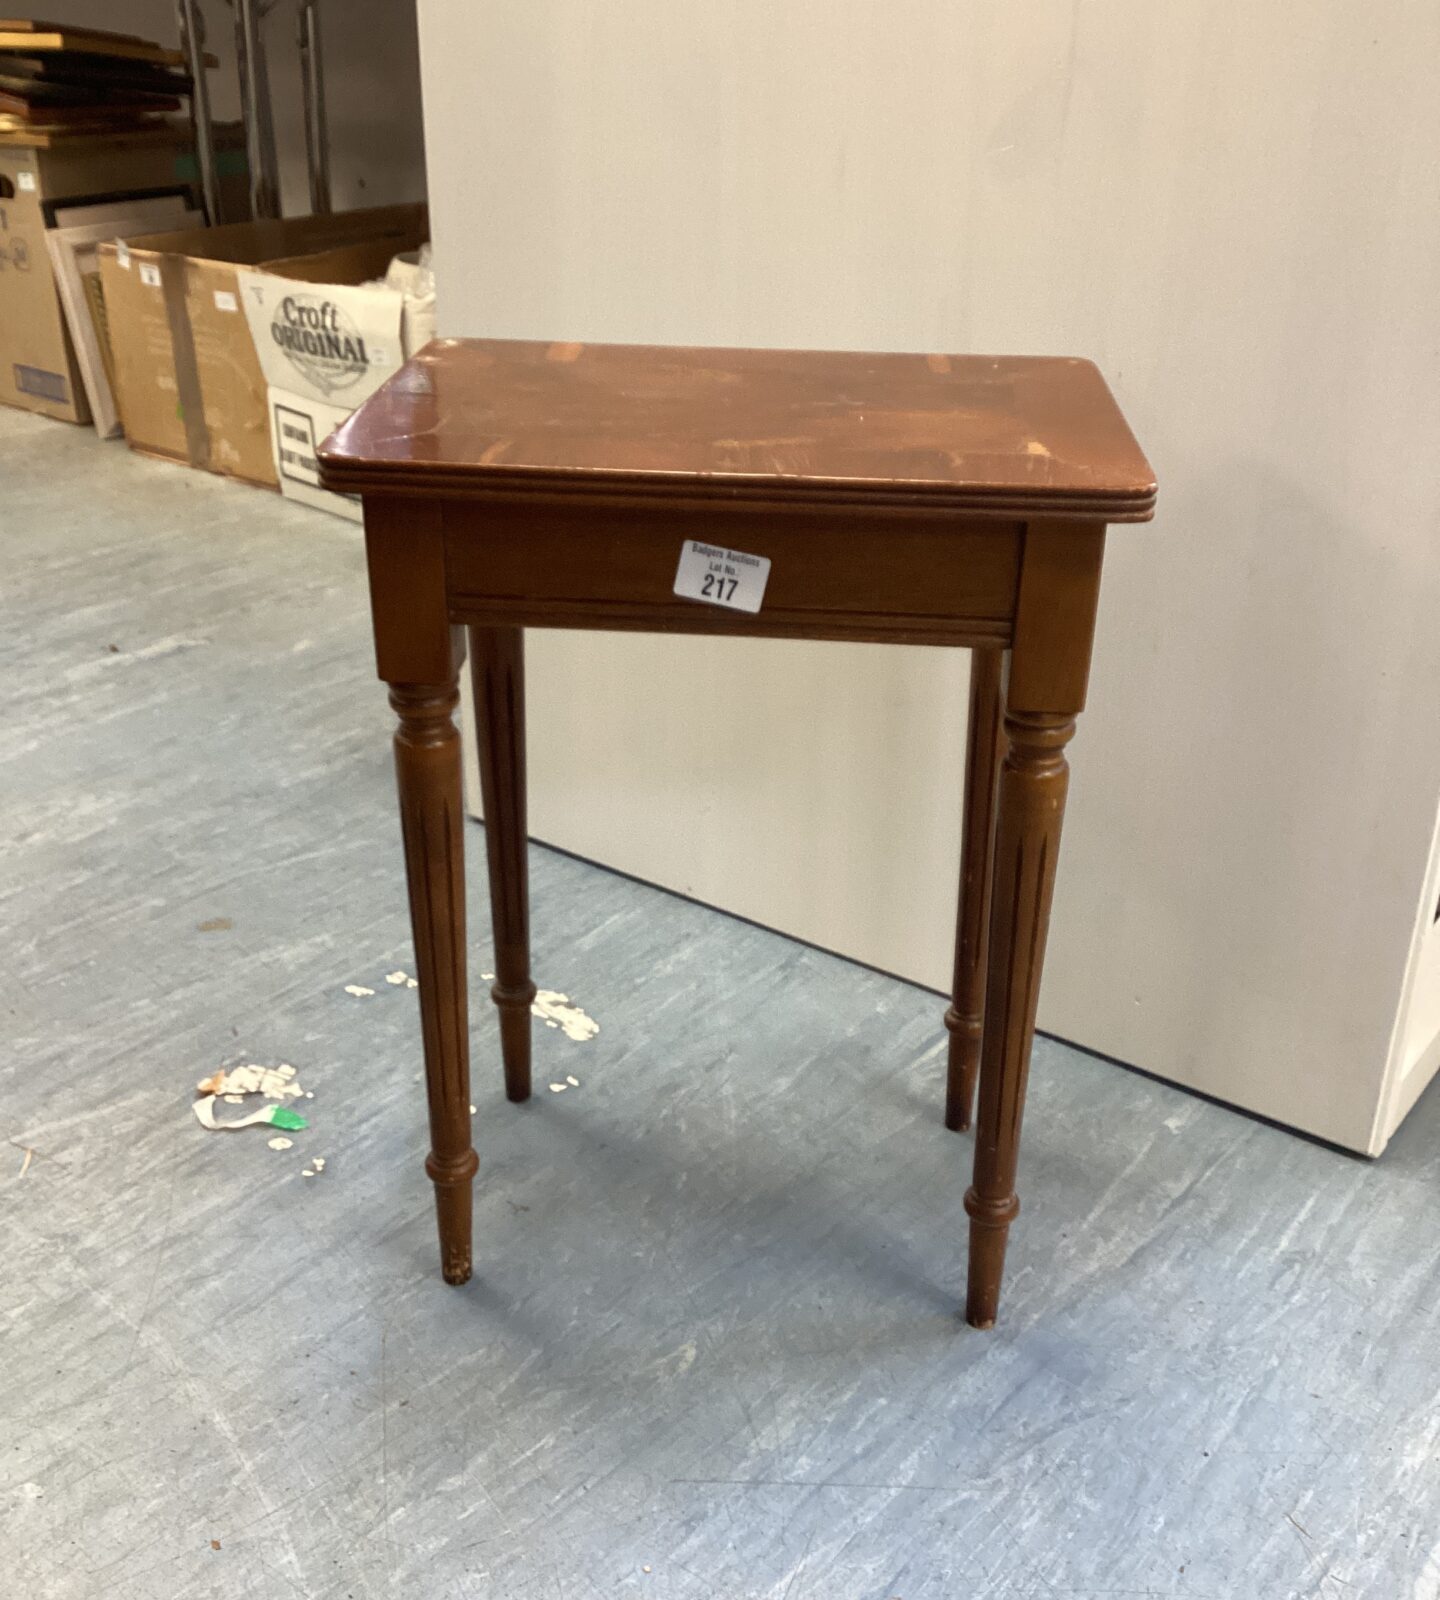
(951, 500)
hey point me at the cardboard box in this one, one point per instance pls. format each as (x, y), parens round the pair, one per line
(37, 363)
(74, 262)
(188, 381)
(327, 336)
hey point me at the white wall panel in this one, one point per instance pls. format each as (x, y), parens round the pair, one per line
(1231, 208)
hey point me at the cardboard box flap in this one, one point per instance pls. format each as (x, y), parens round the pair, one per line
(350, 263)
(249, 243)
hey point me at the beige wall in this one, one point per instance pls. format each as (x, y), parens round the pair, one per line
(1231, 208)
(372, 81)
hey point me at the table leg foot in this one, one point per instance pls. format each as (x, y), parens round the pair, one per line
(514, 1008)
(454, 1184)
(989, 1232)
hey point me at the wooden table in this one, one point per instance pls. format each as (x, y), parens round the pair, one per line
(900, 499)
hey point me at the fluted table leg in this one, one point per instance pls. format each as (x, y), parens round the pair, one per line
(1033, 781)
(427, 768)
(1049, 669)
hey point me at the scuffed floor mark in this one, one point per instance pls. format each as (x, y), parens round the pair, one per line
(557, 1012)
(163, 647)
(175, 644)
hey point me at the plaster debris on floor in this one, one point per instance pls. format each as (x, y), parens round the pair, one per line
(275, 1083)
(233, 1087)
(357, 989)
(280, 1143)
(558, 1012)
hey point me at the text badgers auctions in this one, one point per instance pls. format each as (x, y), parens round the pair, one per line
(321, 341)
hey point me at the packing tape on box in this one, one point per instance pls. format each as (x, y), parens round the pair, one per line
(187, 372)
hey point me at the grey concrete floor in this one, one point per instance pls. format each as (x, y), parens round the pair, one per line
(712, 1347)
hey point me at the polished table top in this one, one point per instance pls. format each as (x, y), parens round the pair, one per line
(980, 434)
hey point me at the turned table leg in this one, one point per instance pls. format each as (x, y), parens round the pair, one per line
(982, 755)
(1049, 668)
(1033, 779)
(427, 768)
(497, 665)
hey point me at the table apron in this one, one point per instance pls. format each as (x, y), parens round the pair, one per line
(884, 577)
